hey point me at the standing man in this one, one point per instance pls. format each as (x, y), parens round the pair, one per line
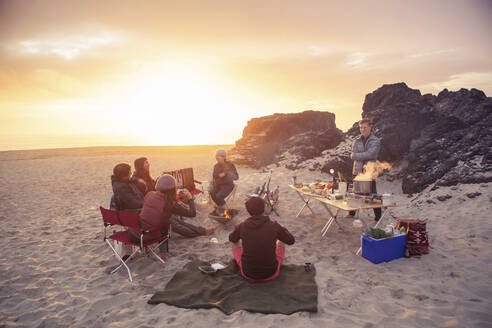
(365, 149)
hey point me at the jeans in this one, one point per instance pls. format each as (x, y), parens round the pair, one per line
(185, 229)
(377, 211)
(219, 194)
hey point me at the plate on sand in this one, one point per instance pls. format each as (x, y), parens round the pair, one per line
(211, 268)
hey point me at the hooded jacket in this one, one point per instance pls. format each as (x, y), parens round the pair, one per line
(259, 236)
(152, 216)
(126, 194)
(364, 152)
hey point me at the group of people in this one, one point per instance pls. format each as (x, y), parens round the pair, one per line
(261, 251)
(259, 256)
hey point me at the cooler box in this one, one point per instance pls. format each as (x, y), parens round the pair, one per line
(383, 250)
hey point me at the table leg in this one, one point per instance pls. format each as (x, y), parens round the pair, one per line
(306, 204)
(381, 218)
(330, 221)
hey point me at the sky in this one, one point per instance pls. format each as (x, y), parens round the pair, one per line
(94, 73)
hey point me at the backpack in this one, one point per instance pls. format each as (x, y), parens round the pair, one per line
(417, 238)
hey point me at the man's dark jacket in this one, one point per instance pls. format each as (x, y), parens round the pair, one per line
(259, 236)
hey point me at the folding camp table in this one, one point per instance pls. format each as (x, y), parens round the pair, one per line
(306, 199)
(339, 205)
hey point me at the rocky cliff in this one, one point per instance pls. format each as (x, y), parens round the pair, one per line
(306, 134)
(445, 139)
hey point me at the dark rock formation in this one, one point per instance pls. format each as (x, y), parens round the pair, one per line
(446, 139)
(304, 135)
(455, 145)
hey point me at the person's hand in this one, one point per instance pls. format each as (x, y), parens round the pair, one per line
(222, 174)
(187, 194)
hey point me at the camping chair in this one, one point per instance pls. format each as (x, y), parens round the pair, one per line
(185, 179)
(269, 197)
(129, 220)
(230, 199)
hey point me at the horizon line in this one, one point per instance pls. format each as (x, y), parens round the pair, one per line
(115, 146)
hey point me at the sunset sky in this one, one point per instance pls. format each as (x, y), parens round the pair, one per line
(87, 73)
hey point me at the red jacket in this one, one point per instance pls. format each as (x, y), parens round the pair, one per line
(152, 216)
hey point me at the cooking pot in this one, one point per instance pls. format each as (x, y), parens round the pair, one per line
(362, 186)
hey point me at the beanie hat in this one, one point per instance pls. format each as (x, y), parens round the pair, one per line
(165, 182)
(255, 206)
(221, 153)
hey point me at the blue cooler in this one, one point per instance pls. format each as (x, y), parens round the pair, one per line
(383, 250)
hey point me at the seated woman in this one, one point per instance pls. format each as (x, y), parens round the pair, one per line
(142, 174)
(223, 181)
(160, 209)
(126, 194)
(262, 251)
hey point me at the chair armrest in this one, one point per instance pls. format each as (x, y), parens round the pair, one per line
(151, 230)
(131, 210)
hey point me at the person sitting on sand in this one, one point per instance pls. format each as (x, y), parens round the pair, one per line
(223, 181)
(142, 174)
(161, 209)
(262, 251)
(126, 194)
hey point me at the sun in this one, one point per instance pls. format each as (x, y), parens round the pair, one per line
(178, 108)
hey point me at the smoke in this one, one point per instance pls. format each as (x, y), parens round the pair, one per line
(372, 170)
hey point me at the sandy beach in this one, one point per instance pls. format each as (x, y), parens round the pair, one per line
(54, 268)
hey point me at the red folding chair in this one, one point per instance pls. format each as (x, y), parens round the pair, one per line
(129, 220)
(185, 179)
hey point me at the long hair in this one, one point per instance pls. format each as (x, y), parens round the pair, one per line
(142, 173)
(169, 200)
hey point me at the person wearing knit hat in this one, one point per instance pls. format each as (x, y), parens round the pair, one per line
(166, 182)
(262, 251)
(224, 174)
(221, 152)
(161, 209)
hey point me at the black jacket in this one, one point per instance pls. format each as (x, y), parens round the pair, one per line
(126, 194)
(259, 236)
(231, 174)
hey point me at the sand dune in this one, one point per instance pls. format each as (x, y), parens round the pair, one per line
(54, 268)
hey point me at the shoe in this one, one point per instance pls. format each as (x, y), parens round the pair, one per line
(348, 216)
(125, 257)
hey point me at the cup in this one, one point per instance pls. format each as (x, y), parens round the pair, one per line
(342, 187)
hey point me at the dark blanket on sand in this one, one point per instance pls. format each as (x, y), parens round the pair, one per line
(294, 290)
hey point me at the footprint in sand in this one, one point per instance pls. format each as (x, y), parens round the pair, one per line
(397, 293)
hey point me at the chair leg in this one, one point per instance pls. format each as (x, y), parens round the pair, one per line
(156, 256)
(123, 262)
(128, 259)
(152, 250)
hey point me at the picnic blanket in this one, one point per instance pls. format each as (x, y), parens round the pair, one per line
(293, 291)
